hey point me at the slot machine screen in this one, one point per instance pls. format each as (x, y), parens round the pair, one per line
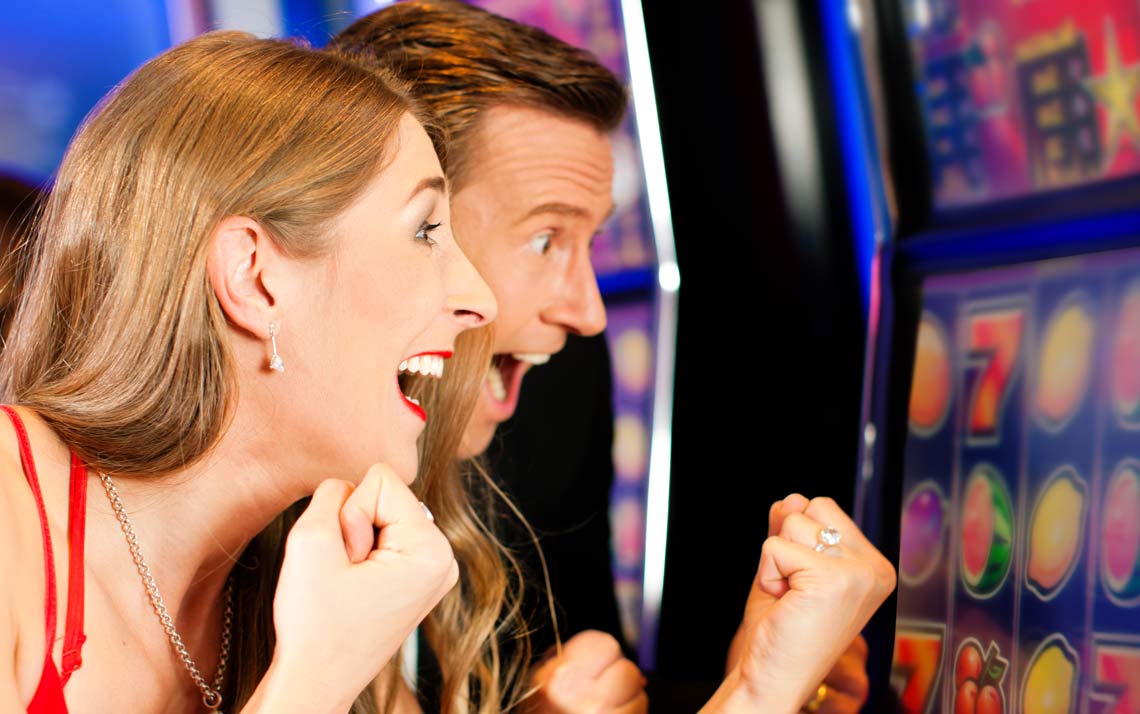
(1015, 479)
(1024, 96)
(1019, 567)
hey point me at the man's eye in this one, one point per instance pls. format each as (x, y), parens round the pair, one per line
(541, 243)
(424, 233)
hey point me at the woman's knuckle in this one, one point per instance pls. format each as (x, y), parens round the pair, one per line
(304, 535)
(822, 502)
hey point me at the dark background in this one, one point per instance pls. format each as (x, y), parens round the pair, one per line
(770, 331)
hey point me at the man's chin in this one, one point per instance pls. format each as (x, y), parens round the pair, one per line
(477, 437)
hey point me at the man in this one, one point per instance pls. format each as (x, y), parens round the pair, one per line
(530, 169)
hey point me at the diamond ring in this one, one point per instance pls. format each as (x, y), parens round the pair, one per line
(828, 537)
(427, 512)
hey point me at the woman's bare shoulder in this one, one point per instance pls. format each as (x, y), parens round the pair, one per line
(21, 534)
(21, 604)
(10, 699)
(16, 498)
(22, 554)
(12, 595)
(18, 516)
(15, 492)
(49, 454)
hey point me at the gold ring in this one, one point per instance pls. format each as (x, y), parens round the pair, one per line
(817, 701)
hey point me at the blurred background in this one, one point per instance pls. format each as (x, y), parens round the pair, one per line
(791, 176)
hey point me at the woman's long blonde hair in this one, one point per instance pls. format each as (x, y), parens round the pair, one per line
(119, 343)
(468, 627)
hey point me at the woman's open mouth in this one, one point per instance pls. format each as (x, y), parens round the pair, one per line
(412, 376)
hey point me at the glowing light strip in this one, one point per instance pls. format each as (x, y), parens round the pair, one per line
(258, 17)
(184, 20)
(867, 203)
(793, 115)
(669, 281)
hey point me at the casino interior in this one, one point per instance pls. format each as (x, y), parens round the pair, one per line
(886, 251)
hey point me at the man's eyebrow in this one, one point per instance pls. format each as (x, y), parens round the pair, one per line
(435, 183)
(556, 208)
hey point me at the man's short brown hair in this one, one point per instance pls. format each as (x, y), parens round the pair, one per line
(462, 60)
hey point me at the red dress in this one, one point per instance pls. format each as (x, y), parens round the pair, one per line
(48, 698)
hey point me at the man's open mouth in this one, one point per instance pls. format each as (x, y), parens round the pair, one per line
(504, 375)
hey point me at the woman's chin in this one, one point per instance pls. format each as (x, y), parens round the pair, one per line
(407, 468)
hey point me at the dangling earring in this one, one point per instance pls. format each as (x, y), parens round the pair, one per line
(275, 362)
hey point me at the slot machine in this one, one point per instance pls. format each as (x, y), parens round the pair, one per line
(1001, 443)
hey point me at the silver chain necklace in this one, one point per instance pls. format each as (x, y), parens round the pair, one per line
(211, 695)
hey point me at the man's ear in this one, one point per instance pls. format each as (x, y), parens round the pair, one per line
(239, 258)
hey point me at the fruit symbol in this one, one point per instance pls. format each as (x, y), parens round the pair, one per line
(1051, 681)
(1065, 363)
(979, 679)
(1126, 358)
(1056, 533)
(631, 447)
(628, 517)
(1120, 538)
(930, 386)
(922, 530)
(633, 360)
(987, 531)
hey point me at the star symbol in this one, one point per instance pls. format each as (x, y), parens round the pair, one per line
(1117, 89)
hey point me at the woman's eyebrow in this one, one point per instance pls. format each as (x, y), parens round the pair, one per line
(436, 183)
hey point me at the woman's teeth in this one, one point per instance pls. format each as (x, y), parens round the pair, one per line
(427, 365)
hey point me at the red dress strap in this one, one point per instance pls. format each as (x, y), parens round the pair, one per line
(73, 637)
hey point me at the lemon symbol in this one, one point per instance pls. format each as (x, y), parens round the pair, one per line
(1056, 532)
(1049, 684)
(1066, 363)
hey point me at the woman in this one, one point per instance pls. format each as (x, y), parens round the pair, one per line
(244, 248)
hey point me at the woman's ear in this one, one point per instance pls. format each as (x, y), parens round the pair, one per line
(240, 255)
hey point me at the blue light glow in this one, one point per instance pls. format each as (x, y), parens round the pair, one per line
(861, 170)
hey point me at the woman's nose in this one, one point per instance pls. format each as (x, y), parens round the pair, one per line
(470, 299)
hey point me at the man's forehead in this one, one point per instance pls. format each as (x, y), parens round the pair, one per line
(531, 139)
(539, 163)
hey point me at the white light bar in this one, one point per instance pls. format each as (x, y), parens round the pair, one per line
(669, 281)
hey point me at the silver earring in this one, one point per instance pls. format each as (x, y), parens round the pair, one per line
(275, 362)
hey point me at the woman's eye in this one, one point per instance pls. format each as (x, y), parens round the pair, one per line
(424, 233)
(541, 243)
